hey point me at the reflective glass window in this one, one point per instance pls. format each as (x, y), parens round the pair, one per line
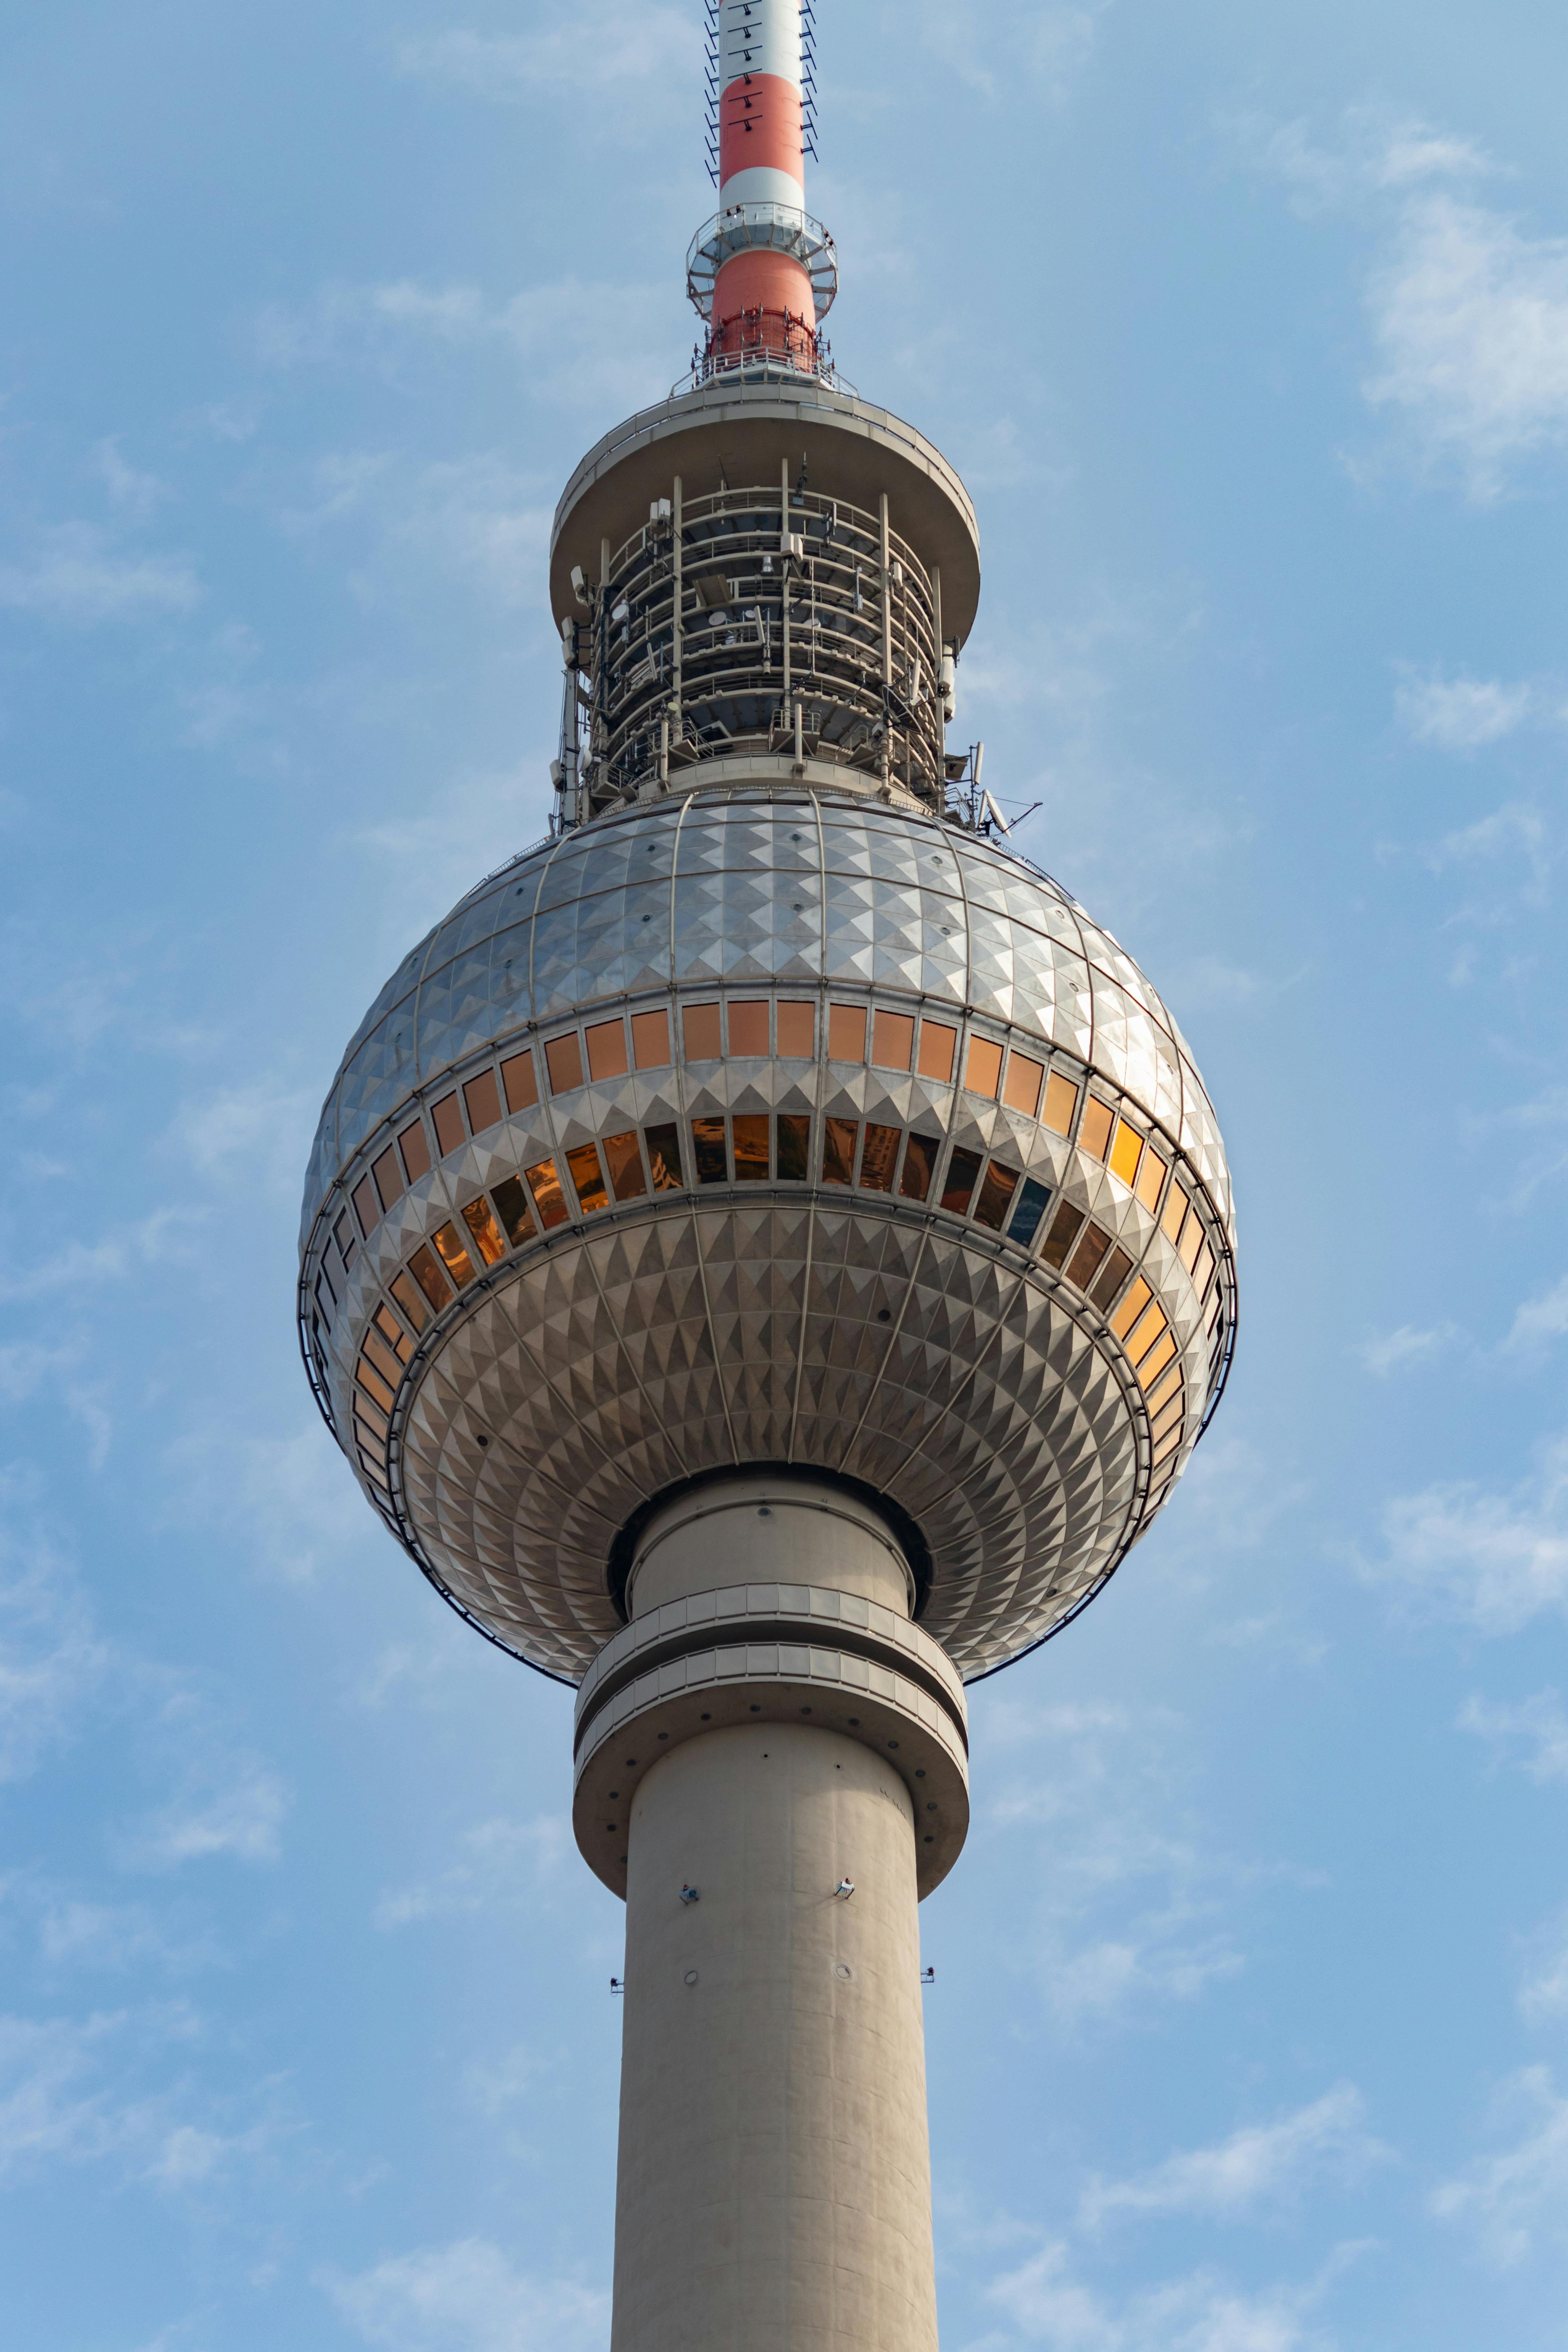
(702, 1033)
(453, 1255)
(1086, 1258)
(1064, 1232)
(522, 1085)
(1166, 1448)
(346, 1238)
(846, 1033)
(1131, 1308)
(1150, 1176)
(708, 1143)
(448, 1121)
(378, 1475)
(483, 1099)
(962, 1171)
(750, 1149)
(749, 1030)
(371, 1415)
(797, 1031)
(996, 1196)
(382, 1357)
(1146, 1330)
(422, 1265)
(982, 1069)
(1024, 1079)
(326, 1297)
(607, 1049)
(512, 1202)
(650, 1040)
(1203, 1270)
(1176, 1211)
(794, 1145)
(388, 1173)
(1124, 1152)
(1167, 1419)
(919, 1166)
(479, 1219)
(892, 1040)
(1095, 1133)
(370, 1380)
(1155, 1361)
(879, 1157)
(393, 1332)
(1170, 1386)
(1110, 1277)
(588, 1177)
(1033, 1201)
(664, 1159)
(410, 1300)
(414, 1146)
(373, 1453)
(563, 1059)
(544, 1184)
(368, 1206)
(1061, 1104)
(938, 1046)
(624, 1154)
(1192, 1241)
(839, 1136)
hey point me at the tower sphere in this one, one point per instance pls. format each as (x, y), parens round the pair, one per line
(770, 1118)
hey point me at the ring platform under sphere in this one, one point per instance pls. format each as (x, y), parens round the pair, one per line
(770, 1124)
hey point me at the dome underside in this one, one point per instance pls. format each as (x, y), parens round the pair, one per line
(930, 1369)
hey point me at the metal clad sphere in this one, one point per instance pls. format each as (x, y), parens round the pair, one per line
(1026, 1396)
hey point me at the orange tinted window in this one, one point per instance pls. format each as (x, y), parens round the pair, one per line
(563, 1056)
(750, 1148)
(393, 1332)
(388, 1173)
(512, 1201)
(415, 1150)
(880, 1158)
(839, 1136)
(522, 1085)
(367, 1205)
(749, 1030)
(453, 1255)
(480, 1222)
(1150, 1176)
(664, 1159)
(624, 1157)
(607, 1049)
(410, 1301)
(371, 1414)
(382, 1357)
(1095, 1133)
(483, 1099)
(708, 1142)
(963, 1167)
(1124, 1152)
(650, 1040)
(1061, 1102)
(1146, 1330)
(1167, 1389)
(1192, 1241)
(1131, 1308)
(588, 1177)
(846, 1033)
(1111, 1276)
(545, 1186)
(1154, 1363)
(1203, 1270)
(892, 1040)
(373, 1383)
(797, 1031)
(448, 1123)
(996, 1196)
(919, 1166)
(982, 1071)
(1087, 1258)
(938, 1046)
(1175, 1210)
(429, 1277)
(1024, 1079)
(702, 1033)
(1064, 1232)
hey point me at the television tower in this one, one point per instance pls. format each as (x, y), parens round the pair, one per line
(768, 1257)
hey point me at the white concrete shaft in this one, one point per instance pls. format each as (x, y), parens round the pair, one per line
(774, 2180)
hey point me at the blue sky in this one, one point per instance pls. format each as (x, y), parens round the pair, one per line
(1248, 329)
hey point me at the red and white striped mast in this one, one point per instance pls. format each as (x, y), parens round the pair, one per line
(761, 273)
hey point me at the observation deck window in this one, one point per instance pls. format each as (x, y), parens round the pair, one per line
(708, 1144)
(702, 1033)
(588, 1177)
(962, 1171)
(366, 1206)
(1152, 1175)
(846, 1033)
(650, 1040)
(880, 1158)
(388, 1175)
(482, 1100)
(1033, 1201)
(411, 1301)
(607, 1049)
(453, 1255)
(919, 1166)
(1094, 1134)
(1022, 1090)
(1064, 1232)
(938, 1046)
(752, 1148)
(512, 1202)
(521, 1083)
(479, 1219)
(624, 1154)
(1171, 1223)
(563, 1059)
(892, 1040)
(1126, 1151)
(982, 1069)
(664, 1159)
(422, 1265)
(448, 1121)
(794, 1138)
(1061, 1104)
(996, 1196)
(545, 1186)
(749, 1030)
(1131, 1308)
(839, 1137)
(414, 1146)
(798, 1032)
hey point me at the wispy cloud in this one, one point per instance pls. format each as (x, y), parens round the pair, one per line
(1538, 1726)
(1261, 2164)
(466, 2297)
(1540, 1320)
(242, 1818)
(52, 1658)
(615, 46)
(1494, 1560)
(1518, 2198)
(1003, 47)
(76, 574)
(136, 494)
(1047, 2301)
(1407, 1346)
(1543, 1995)
(1460, 714)
(497, 1862)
